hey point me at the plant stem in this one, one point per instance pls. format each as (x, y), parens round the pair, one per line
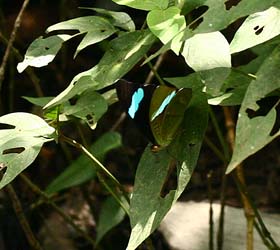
(103, 168)
(22, 219)
(11, 41)
(239, 174)
(46, 198)
(154, 69)
(211, 222)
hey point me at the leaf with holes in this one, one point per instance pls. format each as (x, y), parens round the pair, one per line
(42, 51)
(253, 133)
(89, 107)
(256, 29)
(21, 135)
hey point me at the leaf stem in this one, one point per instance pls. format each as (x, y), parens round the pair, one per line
(103, 168)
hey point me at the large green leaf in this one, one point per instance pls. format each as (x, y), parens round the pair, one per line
(82, 169)
(147, 206)
(144, 4)
(207, 51)
(111, 215)
(21, 135)
(256, 29)
(124, 52)
(252, 134)
(42, 51)
(166, 24)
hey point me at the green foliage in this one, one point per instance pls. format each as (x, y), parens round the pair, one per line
(206, 50)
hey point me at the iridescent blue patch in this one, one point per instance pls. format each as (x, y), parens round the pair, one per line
(137, 97)
(166, 101)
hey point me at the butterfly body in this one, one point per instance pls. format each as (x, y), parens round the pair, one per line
(157, 110)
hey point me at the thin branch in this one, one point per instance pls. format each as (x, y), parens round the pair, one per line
(211, 221)
(22, 219)
(11, 41)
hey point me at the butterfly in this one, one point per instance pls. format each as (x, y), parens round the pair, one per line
(157, 110)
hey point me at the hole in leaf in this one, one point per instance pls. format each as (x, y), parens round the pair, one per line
(2, 166)
(47, 48)
(17, 150)
(230, 3)
(194, 25)
(229, 89)
(265, 104)
(6, 126)
(73, 101)
(191, 145)
(259, 31)
(197, 14)
(170, 182)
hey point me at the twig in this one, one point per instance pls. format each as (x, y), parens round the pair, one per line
(211, 222)
(66, 217)
(225, 159)
(11, 41)
(249, 213)
(22, 219)
(154, 69)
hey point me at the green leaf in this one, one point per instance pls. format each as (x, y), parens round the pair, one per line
(123, 53)
(166, 24)
(256, 29)
(207, 51)
(148, 208)
(252, 134)
(89, 107)
(117, 19)
(144, 4)
(96, 28)
(82, 169)
(111, 215)
(42, 51)
(219, 15)
(39, 101)
(21, 142)
(214, 80)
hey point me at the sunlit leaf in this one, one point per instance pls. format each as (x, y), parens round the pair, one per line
(42, 51)
(207, 51)
(256, 29)
(21, 142)
(254, 133)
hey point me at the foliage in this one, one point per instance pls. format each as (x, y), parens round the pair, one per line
(201, 42)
